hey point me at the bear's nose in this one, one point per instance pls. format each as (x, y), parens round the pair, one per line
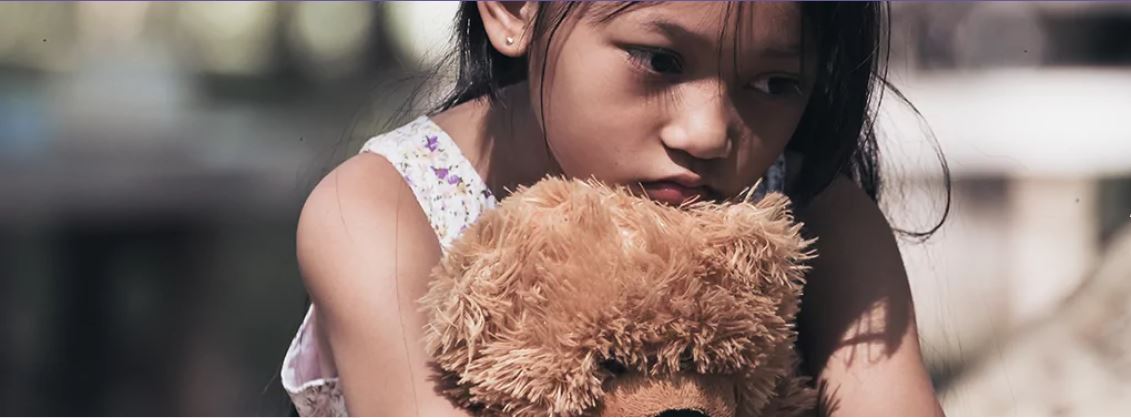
(682, 413)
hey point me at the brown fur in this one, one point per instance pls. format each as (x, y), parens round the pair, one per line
(697, 304)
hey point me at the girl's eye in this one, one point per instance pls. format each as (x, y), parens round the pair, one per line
(657, 61)
(777, 85)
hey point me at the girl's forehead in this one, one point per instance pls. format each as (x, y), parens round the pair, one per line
(773, 25)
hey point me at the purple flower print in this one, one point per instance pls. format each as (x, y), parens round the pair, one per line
(433, 142)
(442, 173)
(446, 175)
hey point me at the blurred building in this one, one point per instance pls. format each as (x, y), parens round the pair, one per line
(153, 160)
(1027, 101)
(154, 157)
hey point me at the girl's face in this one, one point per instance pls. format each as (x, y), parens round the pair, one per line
(683, 99)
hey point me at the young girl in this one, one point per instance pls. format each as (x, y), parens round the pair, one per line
(678, 101)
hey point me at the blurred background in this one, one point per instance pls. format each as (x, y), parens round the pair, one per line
(154, 157)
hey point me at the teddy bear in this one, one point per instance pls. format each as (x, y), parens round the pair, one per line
(579, 298)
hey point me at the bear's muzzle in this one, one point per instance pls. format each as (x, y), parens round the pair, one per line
(683, 394)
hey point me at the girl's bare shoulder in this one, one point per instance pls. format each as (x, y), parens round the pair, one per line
(858, 318)
(365, 250)
(842, 199)
(359, 210)
(856, 246)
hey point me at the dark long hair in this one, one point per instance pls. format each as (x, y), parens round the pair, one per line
(836, 135)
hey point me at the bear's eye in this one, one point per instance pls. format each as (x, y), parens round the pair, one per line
(613, 366)
(687, 361)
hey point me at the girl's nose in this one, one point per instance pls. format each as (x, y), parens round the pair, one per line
(702, 125)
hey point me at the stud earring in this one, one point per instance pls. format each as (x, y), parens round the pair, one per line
(510, 41)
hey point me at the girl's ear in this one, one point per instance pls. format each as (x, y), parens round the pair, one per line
(506, 23)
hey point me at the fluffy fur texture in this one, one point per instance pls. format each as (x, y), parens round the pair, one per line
(575, 298)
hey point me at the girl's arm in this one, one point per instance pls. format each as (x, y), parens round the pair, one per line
(857, 323)
(365, 249)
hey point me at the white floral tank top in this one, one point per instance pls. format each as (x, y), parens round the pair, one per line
(452, 195)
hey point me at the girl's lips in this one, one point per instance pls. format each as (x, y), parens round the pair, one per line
(674, 193)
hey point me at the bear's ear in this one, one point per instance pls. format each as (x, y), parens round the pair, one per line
(552, 192)
(545, 231)
(756, 245)
(549, 192)
(498, 296)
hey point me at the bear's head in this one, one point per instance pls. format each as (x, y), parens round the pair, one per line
(575, 298)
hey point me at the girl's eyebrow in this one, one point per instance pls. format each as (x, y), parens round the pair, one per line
(676, 31)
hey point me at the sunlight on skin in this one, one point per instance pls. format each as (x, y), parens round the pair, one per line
(867, 336)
